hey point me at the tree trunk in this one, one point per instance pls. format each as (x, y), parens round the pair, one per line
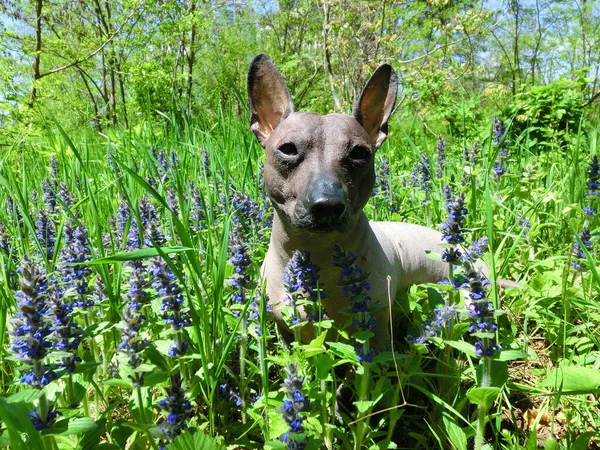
(327, 60)
(191, 54)
(38, 50)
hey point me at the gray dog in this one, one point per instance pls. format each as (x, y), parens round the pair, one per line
(319, 174)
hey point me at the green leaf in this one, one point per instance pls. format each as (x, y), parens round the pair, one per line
(573, 379)
(510, 355)
(457, 437)
(498, 375)
(27, 396)
(344, 351)
(582, 441)
(154, 378)
(463, 346)
(323, 364)
(69, 426)
(91, 439)
(316, 346)
(119, 382)
(483, 395)
(195, 440)
(14, 417)
(532, 443)
(363, 406)
(139, 254)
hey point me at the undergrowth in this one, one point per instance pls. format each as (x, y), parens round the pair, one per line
(132, 315)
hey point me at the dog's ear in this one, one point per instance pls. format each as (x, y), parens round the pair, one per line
(376, 103)
(269, 98)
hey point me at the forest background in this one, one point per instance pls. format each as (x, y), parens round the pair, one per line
(100, 64)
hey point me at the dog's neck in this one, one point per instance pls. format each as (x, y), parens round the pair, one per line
(285, 239)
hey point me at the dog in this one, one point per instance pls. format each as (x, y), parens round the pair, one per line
(319, 175)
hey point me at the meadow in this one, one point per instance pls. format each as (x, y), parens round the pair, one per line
(132, 315)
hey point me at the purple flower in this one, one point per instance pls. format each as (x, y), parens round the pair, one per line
(382, 186)
(198, 210)
(170, 293)
(293, 407)
(452, 228)
(152, 230)
(72, 268)
(442, 318)
(500, 141)
(440, 155)
(45, 231)
(65, 331)
(481, 310)
(579, 258)
(177, 408)
(32, 326)
(42, 424)
(300, 281)
(421, 174)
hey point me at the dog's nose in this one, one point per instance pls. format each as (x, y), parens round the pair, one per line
(326, 202)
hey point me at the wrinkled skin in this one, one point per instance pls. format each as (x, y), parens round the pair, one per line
(319, 174)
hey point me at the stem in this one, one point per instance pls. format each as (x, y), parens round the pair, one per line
(43, 406)
(481, 413)
(144, 423)
(481, 409)
(243, 369)
(363, 396)
(296, 315)
(451, 278)
(71, 392)
(325, 416)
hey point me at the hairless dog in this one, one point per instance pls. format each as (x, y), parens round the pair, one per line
(319, 174)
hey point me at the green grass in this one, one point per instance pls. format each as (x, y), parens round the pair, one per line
(547, 374)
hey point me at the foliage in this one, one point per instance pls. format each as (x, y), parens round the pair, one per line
(237, 387)
(547, 113)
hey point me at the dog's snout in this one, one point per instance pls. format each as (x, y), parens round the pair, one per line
(326, 202)
(328, 208)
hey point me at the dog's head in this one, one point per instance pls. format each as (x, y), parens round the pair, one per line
(319, 170)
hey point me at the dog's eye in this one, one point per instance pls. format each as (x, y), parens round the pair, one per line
(288, 149)
(360, 153)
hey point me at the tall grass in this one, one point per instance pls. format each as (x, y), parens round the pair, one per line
(542, 383)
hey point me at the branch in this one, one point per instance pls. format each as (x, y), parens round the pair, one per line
(431, 52)
(91, 55)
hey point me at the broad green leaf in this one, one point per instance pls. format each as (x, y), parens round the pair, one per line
(154, 378)
(73, 425)
(498, 375)
(483, 395)
(316, 346)
(14, 418)
(195, 440)
(457, 436)
(510, 355)
(91, 438)
(463, 346)
(344, 351)
(573, 379)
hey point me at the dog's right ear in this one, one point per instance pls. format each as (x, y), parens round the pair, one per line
(269, 98)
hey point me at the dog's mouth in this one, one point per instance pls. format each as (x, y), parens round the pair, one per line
(319, 225)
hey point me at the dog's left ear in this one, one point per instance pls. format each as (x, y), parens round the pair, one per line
(269, 98)
(376, 103)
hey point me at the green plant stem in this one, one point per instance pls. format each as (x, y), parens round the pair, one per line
(481, 408)
(363, 396)
(479, 435)
(43, 406)
(243, 369)
(70, 392)
(144, 423)
(327, 441)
